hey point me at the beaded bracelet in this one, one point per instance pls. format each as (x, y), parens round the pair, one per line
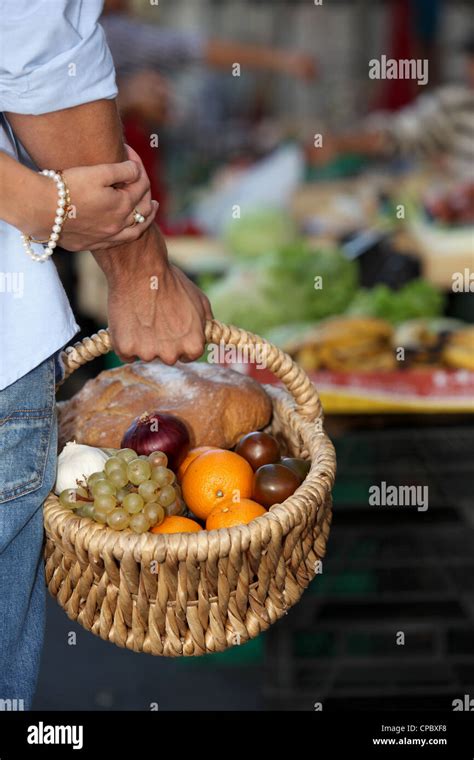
(64, 202)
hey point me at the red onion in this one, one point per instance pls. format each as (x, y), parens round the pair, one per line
(157, 431)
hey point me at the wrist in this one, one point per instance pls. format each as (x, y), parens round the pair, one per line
(144, 258)
(28, 199)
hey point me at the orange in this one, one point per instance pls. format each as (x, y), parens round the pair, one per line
(234, 513)
(214, 477)
(177, 524)
(190, 457)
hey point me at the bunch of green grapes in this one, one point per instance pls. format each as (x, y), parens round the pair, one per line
(135, 492)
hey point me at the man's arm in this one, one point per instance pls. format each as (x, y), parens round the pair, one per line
(155, 45)
(154, 310)
(60, 101)
(223, 54)
(83, 135)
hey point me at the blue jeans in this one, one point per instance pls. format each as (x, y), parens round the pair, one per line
(28, 453)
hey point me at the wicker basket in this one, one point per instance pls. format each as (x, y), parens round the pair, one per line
(192, 593)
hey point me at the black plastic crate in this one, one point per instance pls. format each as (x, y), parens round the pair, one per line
(387, 570)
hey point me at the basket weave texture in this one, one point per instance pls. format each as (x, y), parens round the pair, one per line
(193, 593)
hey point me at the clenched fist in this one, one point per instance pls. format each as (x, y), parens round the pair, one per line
(155, 311)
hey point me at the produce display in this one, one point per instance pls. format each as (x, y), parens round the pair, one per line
(345, 345)
(417, 298)
(137, 489)
(454, 206)
(280, 287)
(258, 233)
(217, 404)
(458, 349)
(438, 225)
(361, 344)
(300, 284)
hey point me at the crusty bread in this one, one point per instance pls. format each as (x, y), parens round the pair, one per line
(218, 404)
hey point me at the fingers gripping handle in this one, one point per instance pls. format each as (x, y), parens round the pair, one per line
(280, 364)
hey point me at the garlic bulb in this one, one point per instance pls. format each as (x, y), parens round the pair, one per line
(77, 462)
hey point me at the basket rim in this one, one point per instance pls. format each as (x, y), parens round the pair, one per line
(321, 473)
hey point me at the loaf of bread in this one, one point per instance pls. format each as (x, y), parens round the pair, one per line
(218, 404)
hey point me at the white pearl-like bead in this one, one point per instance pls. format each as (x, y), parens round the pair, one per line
(58, 220)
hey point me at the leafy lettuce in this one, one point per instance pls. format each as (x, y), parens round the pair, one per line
(293, 284)
(418, 298)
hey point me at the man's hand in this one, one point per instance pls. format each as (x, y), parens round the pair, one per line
(154, 310)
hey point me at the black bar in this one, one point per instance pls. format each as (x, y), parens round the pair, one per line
(447, 733)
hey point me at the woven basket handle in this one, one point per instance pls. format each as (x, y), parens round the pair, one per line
(292, 376)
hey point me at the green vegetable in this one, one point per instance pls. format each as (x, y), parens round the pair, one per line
(258, 233)
(417, 298)
(280, 288)
(310, 284)
(240, 299)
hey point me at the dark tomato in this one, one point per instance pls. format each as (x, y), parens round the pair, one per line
(299, 466)
(273, 483)
(258, 449)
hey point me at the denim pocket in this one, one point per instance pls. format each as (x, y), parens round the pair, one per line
(26, 418)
